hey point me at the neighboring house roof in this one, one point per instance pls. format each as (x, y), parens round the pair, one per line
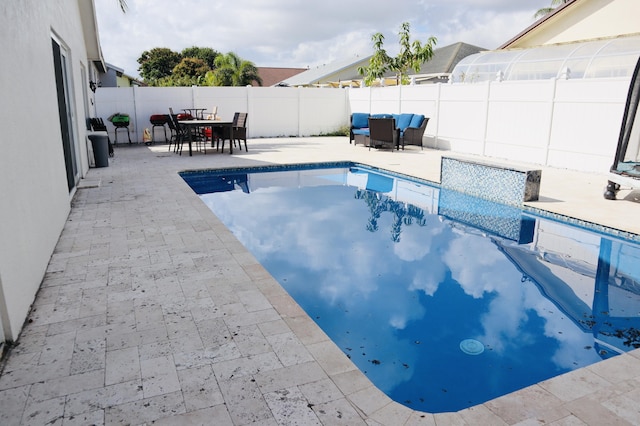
(579, 21)
(273, 75)
(443, 61)
(445, 58)
(344, 69)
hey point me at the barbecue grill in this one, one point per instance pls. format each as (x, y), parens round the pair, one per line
(158, 120)
(120, 121)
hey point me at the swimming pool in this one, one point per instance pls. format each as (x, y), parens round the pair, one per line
(443, 300)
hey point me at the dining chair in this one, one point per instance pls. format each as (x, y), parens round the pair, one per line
(239, 126)
(240, 129)
(182, 132)
(383, 133)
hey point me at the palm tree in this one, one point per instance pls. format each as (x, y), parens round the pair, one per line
(545, 10)
(231, 70)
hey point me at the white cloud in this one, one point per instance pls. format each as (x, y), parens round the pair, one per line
(290, 33)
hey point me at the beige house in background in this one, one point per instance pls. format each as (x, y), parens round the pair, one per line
(579, 20)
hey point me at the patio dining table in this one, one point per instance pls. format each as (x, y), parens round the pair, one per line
(211, 124)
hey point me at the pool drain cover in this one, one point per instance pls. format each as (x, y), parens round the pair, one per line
(471, 347)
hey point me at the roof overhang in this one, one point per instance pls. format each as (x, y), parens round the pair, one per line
(90, 32)
(533, 27)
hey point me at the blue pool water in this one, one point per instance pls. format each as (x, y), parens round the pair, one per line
(443, 300)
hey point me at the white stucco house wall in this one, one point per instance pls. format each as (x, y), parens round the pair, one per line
(50, 52)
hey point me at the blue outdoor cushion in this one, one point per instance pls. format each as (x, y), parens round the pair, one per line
(359, 120)
(403, 121)
(381, 116)
(416, 121)
(361, 131)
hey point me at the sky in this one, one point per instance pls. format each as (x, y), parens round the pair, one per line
(298, 33)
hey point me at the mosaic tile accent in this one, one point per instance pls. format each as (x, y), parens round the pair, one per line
(498, 219)
(490, 181)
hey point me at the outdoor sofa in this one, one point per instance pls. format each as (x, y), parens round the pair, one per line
(411, 127)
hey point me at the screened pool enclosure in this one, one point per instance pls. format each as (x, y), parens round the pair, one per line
(614, 57)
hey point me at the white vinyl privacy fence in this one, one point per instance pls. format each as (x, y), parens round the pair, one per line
(572, 124)
(272, 111)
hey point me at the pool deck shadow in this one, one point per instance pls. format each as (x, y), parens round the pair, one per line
(152, 312)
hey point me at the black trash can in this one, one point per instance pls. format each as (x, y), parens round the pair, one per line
(100, 144)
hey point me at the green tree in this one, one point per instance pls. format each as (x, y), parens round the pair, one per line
(546, 10)
(231, 70)
(157, 63)
(190, 67)
(207, 54)
(411, 55)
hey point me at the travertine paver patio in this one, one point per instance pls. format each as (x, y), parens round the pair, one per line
(151, 312)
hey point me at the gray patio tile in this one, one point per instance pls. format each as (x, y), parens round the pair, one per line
(29, 374)
(450, 419)
(213, 331)
(66, 385)
(274, 327)
(200, 388)
(155, 350)
(625, 406)
(351, 381)
(136, 338)
(427, 419)
(369, 400)
(246, 366)
(49, 412)
(218, 416)
(146, 410)
(251, 318)
(93, 418)
(307, 331)
(289, 349)
(282, 378)
(289, 406)
(245, 402)
(253, 300)
(338, 412)
(88, 355)
(57, 348)
(591, 412)
(392, 413)
(122, 365)
(530, 402)
(619, 368)
(148, 316)
(330, 357)
(321, 391)
(186, 341)
(159, 376)
(250, 340)
(12, 403)
(207, 356)
(286, 306)
(481, 415)
(575, 384)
